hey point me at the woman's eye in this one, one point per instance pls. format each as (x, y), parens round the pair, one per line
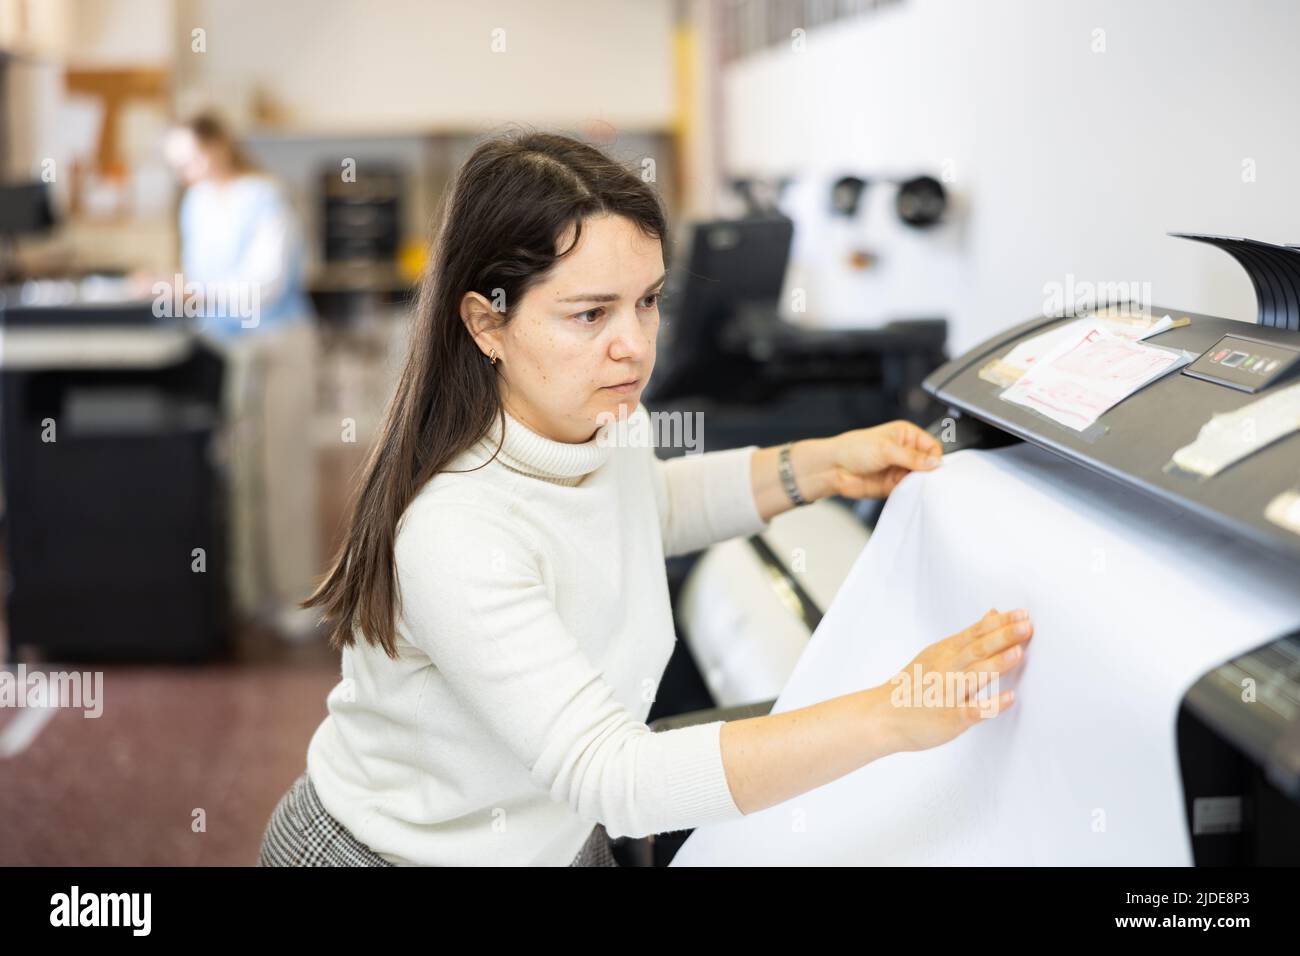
(594, 314)
(651, 300)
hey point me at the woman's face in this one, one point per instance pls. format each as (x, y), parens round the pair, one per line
(191, 161)
(590, 326)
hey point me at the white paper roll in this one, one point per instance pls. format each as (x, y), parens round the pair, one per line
(1132, 601)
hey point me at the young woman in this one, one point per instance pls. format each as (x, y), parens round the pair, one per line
(240, 237)
(501, 601)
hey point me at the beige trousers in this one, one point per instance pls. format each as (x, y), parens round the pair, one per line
(270, 399)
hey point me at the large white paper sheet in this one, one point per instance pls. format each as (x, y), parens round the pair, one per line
(1132, 601)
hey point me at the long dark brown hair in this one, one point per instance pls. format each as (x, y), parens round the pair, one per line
(506, 212)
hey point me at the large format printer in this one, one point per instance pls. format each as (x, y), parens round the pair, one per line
(1226, 729)
(1239, 754)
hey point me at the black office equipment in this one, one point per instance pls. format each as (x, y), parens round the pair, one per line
(732, 267)
(114, 489)
(86, 315)
(1239, 753)
(1228, 747)
(759, 379)
(361, 217)
(25, 208)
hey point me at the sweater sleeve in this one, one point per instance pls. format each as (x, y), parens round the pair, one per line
(706, 498)
(473, 599)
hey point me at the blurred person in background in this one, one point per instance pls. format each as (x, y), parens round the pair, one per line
(239, 236)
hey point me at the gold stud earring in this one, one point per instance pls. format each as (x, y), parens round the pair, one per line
(493, 356)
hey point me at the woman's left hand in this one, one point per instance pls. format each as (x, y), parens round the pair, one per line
(870, 462)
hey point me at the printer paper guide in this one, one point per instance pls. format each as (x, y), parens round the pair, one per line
(1132, 601)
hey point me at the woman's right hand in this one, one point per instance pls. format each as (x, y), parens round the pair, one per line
(953, 684)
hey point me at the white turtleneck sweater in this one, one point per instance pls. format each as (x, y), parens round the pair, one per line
(533, 629)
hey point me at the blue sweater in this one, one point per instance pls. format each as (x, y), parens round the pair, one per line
(242, 248)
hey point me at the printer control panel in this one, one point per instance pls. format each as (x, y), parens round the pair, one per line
(1244, 363)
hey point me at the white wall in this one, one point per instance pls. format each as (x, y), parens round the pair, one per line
(33, 91)
(109, 34)
(389, 65)
(1070, 161)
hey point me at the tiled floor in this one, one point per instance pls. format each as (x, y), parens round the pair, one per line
(185, 764)
(182, 768)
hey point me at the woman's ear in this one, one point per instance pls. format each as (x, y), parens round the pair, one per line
(482, 321)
